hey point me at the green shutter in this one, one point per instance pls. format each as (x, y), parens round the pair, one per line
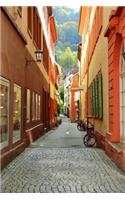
(93, 101)
(100, 96)
(97, 98)
(94, 98)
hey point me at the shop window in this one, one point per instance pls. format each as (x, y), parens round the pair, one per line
(4, 112)
(28, 105)
(37, 107)
(16, 113)
(122, 95)
(33, 106)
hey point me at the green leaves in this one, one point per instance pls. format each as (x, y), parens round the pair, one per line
(67, 34)
(66, 58)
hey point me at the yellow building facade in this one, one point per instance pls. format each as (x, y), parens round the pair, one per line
(94, 64)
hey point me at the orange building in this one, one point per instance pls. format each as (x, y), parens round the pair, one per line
(74, 108)
(24, 82)
(102, 76)
(115, 138)
(53, 39)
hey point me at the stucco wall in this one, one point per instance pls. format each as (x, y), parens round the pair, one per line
(98, 62)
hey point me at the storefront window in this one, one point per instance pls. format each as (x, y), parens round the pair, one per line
(4, 112)
(33, 106)
(122, 95)
(28, 105)
(37, 107)
(16, 113)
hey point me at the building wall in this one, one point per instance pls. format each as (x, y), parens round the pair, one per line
(106, 57)
(98, 61)
(17, 46)
(115, 137)
(73, 90)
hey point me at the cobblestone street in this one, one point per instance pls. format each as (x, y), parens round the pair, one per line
(59, 163)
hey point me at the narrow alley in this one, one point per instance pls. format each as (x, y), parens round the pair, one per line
(62, 99)
(58, 162)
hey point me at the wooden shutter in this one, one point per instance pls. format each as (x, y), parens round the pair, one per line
(96, 96)
(100, 95)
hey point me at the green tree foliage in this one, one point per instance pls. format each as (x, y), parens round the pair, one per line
(66, 58)
(67, 33)
(61, 89)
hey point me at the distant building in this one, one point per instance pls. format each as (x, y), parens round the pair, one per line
(74, 99)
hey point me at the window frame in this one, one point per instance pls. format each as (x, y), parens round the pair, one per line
(6, 143)
(18, 86)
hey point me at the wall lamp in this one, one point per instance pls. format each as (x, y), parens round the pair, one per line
(123, 55)
(38, 54)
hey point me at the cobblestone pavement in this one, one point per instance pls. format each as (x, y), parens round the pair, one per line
(59, 163)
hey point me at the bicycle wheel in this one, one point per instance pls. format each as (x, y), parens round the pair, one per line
(85, 139)
(89, 140)
(79, 128)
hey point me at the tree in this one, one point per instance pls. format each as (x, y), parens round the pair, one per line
(61, 89)
(67, 58)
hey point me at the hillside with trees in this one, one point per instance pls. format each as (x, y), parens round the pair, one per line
(68, 39)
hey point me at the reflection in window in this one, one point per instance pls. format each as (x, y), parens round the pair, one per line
(4, 111)
(16, 113)
(28, 105)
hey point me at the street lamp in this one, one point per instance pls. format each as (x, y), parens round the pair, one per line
(38, 54)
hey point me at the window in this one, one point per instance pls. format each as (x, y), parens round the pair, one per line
(20, 11)
(33, 106)
(28, 105)
(30, 19)
(122, 95)
(38, 107)
(95, 98)
(100, 93)
(36, 28)
(4, 112)
(34, 24)
(39, 35)
(16, 113)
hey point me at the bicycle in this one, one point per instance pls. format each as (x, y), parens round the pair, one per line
(81, 125)
(89, 139)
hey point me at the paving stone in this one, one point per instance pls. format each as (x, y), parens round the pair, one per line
(56, 164)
